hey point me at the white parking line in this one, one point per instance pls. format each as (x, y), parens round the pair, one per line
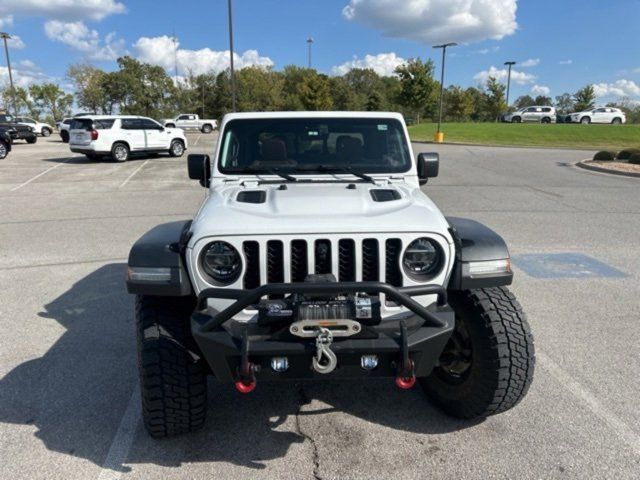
(134, 172)
(196, 140)
(39, 175)
(624, 432)
(112, 468)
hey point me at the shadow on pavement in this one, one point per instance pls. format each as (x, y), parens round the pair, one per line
(76, 393)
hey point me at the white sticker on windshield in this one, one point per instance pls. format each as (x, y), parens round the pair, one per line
(383, 127)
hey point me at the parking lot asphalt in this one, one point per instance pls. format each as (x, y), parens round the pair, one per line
(68, 379)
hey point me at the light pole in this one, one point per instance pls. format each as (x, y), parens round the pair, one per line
(509, 64)
(310, 42)
(5, 37)
(233, 74)
(439, 136)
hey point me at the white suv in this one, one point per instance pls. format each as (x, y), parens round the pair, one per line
(121, 136)
(599, 115)
(538, 114)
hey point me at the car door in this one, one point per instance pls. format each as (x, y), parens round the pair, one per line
(157, 136)
(183, 121)
(599, 115)
(133, 133)
(529, 115)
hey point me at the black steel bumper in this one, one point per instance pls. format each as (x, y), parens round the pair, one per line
(427, 331)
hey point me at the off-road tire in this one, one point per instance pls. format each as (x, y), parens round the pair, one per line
(118, 157)
(175, 150)
(502, 356)
(173, 380)
(46, 132)
(32, 140)
(64, 135)
(207, 128)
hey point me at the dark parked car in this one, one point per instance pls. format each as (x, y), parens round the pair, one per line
(16, 130)
(5, 142)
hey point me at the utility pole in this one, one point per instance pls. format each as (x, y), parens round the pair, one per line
(175, 57)
(439, 136)
(310, 42)
(5, 37)
(233, 75)
(509, 64)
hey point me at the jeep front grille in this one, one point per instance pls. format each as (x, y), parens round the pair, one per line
(277, 261)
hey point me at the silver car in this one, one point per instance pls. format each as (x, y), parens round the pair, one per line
(537, 114)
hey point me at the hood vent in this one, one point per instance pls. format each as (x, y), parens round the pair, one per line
(380, 195)
(252, 196)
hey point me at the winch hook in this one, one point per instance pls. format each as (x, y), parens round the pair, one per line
(325, 360)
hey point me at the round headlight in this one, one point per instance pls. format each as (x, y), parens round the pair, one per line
(422, 258)
(221, 262)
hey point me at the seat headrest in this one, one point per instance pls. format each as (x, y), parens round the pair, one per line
(274, 150)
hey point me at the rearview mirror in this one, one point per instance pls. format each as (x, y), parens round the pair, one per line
(199, 167)
(428, 166)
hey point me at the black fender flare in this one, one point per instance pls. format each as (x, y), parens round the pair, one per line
(161, 247)
(476, 242)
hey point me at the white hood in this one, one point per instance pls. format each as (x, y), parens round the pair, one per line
(308, 208)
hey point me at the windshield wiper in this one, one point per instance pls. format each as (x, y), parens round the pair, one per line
(335, 169)
(269, 171)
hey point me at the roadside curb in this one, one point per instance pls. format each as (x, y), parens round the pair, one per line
(539, 147)
(585, 165)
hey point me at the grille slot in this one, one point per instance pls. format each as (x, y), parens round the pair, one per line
(393, 249)
(299, 261)
(252, 258)
(347, 260)
(323, 257)
(370, 260)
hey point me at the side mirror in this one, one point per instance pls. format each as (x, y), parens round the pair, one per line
(199, 168)
(428, 166)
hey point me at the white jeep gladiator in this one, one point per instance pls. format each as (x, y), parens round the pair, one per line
(191, 121)
(316, 254)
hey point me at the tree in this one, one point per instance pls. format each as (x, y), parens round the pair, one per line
(495, 97)
(259, 89)
(585, 98)
(543, 100)
(564, 103)
(314, 92)
(479, 101)
(419, 91)
(523, 102)
(89, 87)
(458, 104)
(24, 104)
(51, 99)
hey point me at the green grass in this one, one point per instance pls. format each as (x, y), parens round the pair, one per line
(596, 137)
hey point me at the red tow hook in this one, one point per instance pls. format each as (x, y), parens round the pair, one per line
(406, 378)
(245, 386)
(405, 383)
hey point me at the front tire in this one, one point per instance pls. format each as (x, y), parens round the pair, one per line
(177, 148)
(173, 379)
(487, 366)
(32, 140)
(120, 152)
(516, 120)
(46, 132)
(207, 128)
(585, 120)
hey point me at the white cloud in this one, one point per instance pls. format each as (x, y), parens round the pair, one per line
(161, 51)
(435, 21)
(520, 78)
(24, 74)
(383, 64)
(68, 10)
(7, 21)
(532, 62)
(85, 40)
(620, 88)
(541, 90)
(486, 51)
(16, 42)
(565, 62)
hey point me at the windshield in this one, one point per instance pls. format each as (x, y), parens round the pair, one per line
(304, 145)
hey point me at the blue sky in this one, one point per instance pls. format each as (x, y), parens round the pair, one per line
(560, 45)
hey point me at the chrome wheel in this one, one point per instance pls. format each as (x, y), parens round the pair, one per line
(46, 132)
(177, 149)
(3, 150)
(121, 153)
